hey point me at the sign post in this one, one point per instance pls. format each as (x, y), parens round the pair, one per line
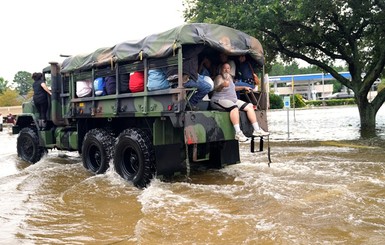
(286, 103)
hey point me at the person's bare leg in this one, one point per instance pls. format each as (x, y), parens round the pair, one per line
(258, 131)
(250, 113)
(234, 118)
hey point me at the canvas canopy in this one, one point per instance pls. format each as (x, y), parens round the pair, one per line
(221, 38)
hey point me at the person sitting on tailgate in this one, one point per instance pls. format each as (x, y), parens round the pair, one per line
(225, 98)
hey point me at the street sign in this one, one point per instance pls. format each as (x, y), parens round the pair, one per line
(286, 101)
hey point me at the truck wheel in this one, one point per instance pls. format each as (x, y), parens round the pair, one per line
(134, 158)
(28, 147)
(97, 150)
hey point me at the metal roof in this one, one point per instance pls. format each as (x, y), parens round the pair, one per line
(306, 77)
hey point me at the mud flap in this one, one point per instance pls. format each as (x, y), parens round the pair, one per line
(166, 163)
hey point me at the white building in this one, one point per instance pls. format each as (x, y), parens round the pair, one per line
(310, 86)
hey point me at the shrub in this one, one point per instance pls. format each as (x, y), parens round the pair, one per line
(314, 103)
(298, 100)
(276, 101)
(334, 102)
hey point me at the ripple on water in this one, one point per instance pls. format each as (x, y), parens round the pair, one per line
(319, 189)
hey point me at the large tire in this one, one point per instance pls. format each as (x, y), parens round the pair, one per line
(97, 150)
(134, 158)
(28, 147)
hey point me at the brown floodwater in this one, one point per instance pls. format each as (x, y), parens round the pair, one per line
(325, 189)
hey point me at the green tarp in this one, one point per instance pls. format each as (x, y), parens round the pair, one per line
(164, 44)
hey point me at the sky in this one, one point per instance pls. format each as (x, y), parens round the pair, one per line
(35, 32)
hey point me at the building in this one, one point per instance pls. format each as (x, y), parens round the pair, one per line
(310, 86)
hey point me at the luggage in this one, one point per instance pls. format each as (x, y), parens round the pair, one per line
(110, 85)
(100, 86)
(157, 80)
(83, 88)
(136, 83)
(123, 83)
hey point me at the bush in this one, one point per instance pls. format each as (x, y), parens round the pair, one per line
(334, 102)
(314, 103)
(298, 100)
(340, 102)
(276, 101)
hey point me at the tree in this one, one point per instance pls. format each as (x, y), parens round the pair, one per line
(318, 32)
(23, 81)
(3, 85)
(9, 98)
(293, 68)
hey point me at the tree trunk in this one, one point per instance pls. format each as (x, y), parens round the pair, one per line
(367, 119)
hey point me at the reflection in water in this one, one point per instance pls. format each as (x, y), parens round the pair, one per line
(324, 190)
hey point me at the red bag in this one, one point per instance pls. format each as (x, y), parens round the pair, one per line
(136, 83)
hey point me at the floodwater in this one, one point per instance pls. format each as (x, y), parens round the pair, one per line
(324, 186)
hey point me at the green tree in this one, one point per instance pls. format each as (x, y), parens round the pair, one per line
(318, 32)
(3, 85)
(276, 101)
(9, 98)
(293, 68)
(23, 81)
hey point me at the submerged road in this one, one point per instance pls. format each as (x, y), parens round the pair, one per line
(324, 186)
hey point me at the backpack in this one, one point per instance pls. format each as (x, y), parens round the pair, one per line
(136, 83)
(110, 85)
(99, 86)
(123, 83)
(83, 88)
(157, 80)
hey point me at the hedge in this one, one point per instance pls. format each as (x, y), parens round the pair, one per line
(333, 102)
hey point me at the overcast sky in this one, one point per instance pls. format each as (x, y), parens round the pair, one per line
(34, 32)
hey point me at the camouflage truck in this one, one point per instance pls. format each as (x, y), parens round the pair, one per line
(145, 134)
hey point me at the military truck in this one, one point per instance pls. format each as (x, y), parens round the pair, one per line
(143, 134)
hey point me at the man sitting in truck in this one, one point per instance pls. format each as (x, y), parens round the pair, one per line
(225, 98)
(191, 79)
